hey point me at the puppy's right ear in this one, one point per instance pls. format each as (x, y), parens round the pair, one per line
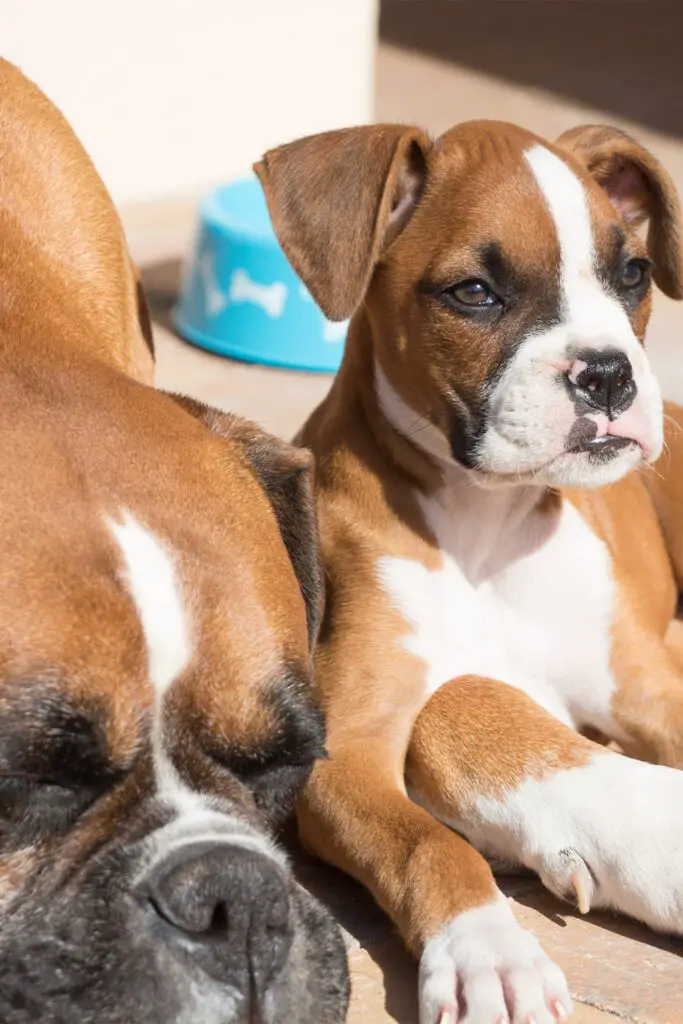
(338, 200)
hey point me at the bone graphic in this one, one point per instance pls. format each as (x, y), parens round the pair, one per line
(216, 300)
(334, 330)
(270, 297)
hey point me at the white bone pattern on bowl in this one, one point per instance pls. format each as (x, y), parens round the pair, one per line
(270, 297)
(334, 330)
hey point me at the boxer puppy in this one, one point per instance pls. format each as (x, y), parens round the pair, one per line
(159, 601)
(486, 604)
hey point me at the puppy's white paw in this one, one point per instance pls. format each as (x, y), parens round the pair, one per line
(484, 968)
(611, 835)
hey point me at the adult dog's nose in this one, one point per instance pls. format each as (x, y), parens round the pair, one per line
(602, 381)
(229, 909)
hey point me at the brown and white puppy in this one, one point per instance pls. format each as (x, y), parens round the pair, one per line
(485, 604)
(159, 600)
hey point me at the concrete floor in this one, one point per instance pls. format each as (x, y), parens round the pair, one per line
(617, 971)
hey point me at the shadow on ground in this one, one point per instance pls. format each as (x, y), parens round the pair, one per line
(622, 56)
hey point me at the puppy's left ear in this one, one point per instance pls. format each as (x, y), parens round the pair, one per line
(286, 474)
(640, 189)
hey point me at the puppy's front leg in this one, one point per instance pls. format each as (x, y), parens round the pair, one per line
(596, 826)
(477, 964)
(647, 704)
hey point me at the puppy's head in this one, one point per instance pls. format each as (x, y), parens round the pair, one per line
(505, 282)
(156, 722)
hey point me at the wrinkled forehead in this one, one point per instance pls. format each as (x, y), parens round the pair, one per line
(496, 185)
(75, 673)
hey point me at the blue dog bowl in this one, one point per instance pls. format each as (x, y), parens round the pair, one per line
(241, 298)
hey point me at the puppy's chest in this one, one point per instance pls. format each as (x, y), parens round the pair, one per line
(534, 615)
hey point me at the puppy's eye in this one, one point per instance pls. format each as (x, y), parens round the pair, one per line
(634, 273)
(473, 294)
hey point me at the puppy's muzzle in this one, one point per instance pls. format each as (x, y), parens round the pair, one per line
(227, 908)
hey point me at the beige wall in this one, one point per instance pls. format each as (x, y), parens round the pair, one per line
(170, 96)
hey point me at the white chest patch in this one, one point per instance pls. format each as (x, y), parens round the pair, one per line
(540, 622)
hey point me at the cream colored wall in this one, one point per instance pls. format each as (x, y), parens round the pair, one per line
(170, 96)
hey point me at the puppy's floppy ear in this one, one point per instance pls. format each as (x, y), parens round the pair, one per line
(338, 200)
(640, 189)
(286, 475)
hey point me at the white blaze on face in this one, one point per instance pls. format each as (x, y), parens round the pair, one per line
(593, 318)
(531, 411)
(157, 593)
(565, 198)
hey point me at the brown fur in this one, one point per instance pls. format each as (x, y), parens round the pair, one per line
(640, 188)
(461, 747)
(474, 735)
(85, 440)
(58, 287)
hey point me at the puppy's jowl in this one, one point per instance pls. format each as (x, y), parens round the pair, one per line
(503, 539)
(159, 602)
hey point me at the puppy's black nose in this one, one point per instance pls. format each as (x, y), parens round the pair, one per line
(602, 381)
(227, 907)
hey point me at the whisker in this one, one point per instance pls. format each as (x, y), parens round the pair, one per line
(652, 469)
(674, 423)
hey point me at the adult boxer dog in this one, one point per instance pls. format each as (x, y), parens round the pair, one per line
(158, 602)
(486, 604)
